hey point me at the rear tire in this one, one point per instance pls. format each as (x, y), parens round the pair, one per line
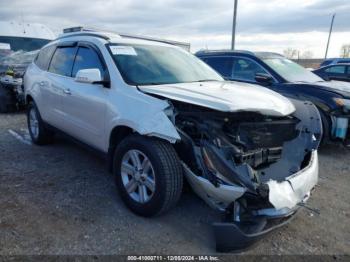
(162, 164)
(38, 132)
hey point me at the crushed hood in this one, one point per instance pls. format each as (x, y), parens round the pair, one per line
(225, 96)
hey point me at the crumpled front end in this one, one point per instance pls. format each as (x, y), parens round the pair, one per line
(242, 229)
(256, 169)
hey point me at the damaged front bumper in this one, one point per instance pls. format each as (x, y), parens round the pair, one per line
(237, 236)
(285, 196)
(296, 188)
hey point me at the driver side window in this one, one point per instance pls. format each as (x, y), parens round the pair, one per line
(87, 58)
(246, 69)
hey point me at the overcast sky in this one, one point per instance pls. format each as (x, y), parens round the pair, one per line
(270, 25)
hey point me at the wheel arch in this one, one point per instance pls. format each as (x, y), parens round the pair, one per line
(29, 99)
(117, 134)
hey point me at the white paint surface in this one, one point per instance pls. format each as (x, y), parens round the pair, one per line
(226, 96)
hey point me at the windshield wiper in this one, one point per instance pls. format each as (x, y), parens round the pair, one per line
(153, 84)
(206, 80)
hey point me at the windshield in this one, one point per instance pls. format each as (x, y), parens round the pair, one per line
(156, 65)
(290, 71)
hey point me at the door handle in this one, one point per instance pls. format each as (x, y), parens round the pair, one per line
(67, 91)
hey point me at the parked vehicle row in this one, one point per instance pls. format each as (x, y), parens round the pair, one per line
(339, 72)
(334, 61)
(161, 115)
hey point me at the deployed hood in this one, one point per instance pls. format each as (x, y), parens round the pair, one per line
(225, 96)
(342, 88)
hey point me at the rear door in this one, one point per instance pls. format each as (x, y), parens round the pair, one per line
(59, 81)
(42, 62)
(84, 105)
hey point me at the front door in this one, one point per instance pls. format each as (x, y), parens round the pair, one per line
(84, 104)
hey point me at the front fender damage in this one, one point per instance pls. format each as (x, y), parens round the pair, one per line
(159, 125)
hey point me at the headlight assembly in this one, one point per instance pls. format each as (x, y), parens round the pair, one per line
(345, 103)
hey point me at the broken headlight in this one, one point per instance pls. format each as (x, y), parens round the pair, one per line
(344, 103)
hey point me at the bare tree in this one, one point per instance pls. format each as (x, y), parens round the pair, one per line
(307, 54)
(345, 51)
(291, 53)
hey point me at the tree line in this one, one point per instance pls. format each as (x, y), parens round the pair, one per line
(292, 53)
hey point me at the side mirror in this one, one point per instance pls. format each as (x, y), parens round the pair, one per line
(93, 76)
(326, 78)
(264, 79)
(89, 76)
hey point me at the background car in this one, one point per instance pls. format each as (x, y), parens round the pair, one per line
(334, 61)
(19, 44)
(340, 72)
(290, 79)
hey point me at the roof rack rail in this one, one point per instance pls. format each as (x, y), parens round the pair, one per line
(84, 34)
(83, 31)
(86, 31)
(72, 29)
(184, 45)
(213, 51)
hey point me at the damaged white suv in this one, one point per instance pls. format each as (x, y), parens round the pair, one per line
(161, 114)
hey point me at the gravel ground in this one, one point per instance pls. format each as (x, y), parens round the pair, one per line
(60, 199)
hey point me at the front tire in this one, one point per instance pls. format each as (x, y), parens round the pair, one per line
(326, 127)
(38, 132)
(148, 175)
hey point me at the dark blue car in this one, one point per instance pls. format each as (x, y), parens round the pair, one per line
(280, 74)
(340, 72)
(334, 61)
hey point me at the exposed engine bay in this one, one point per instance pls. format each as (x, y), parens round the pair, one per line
(245, 148)
(238, 161)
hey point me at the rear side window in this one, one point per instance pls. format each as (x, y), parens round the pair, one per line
(62, 61)
(222, 65)
(44, 56)
(336, 69)
(87, 58)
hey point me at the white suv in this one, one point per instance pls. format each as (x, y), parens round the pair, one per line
(161, 114)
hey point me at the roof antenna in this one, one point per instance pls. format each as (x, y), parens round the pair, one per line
(24, 30)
